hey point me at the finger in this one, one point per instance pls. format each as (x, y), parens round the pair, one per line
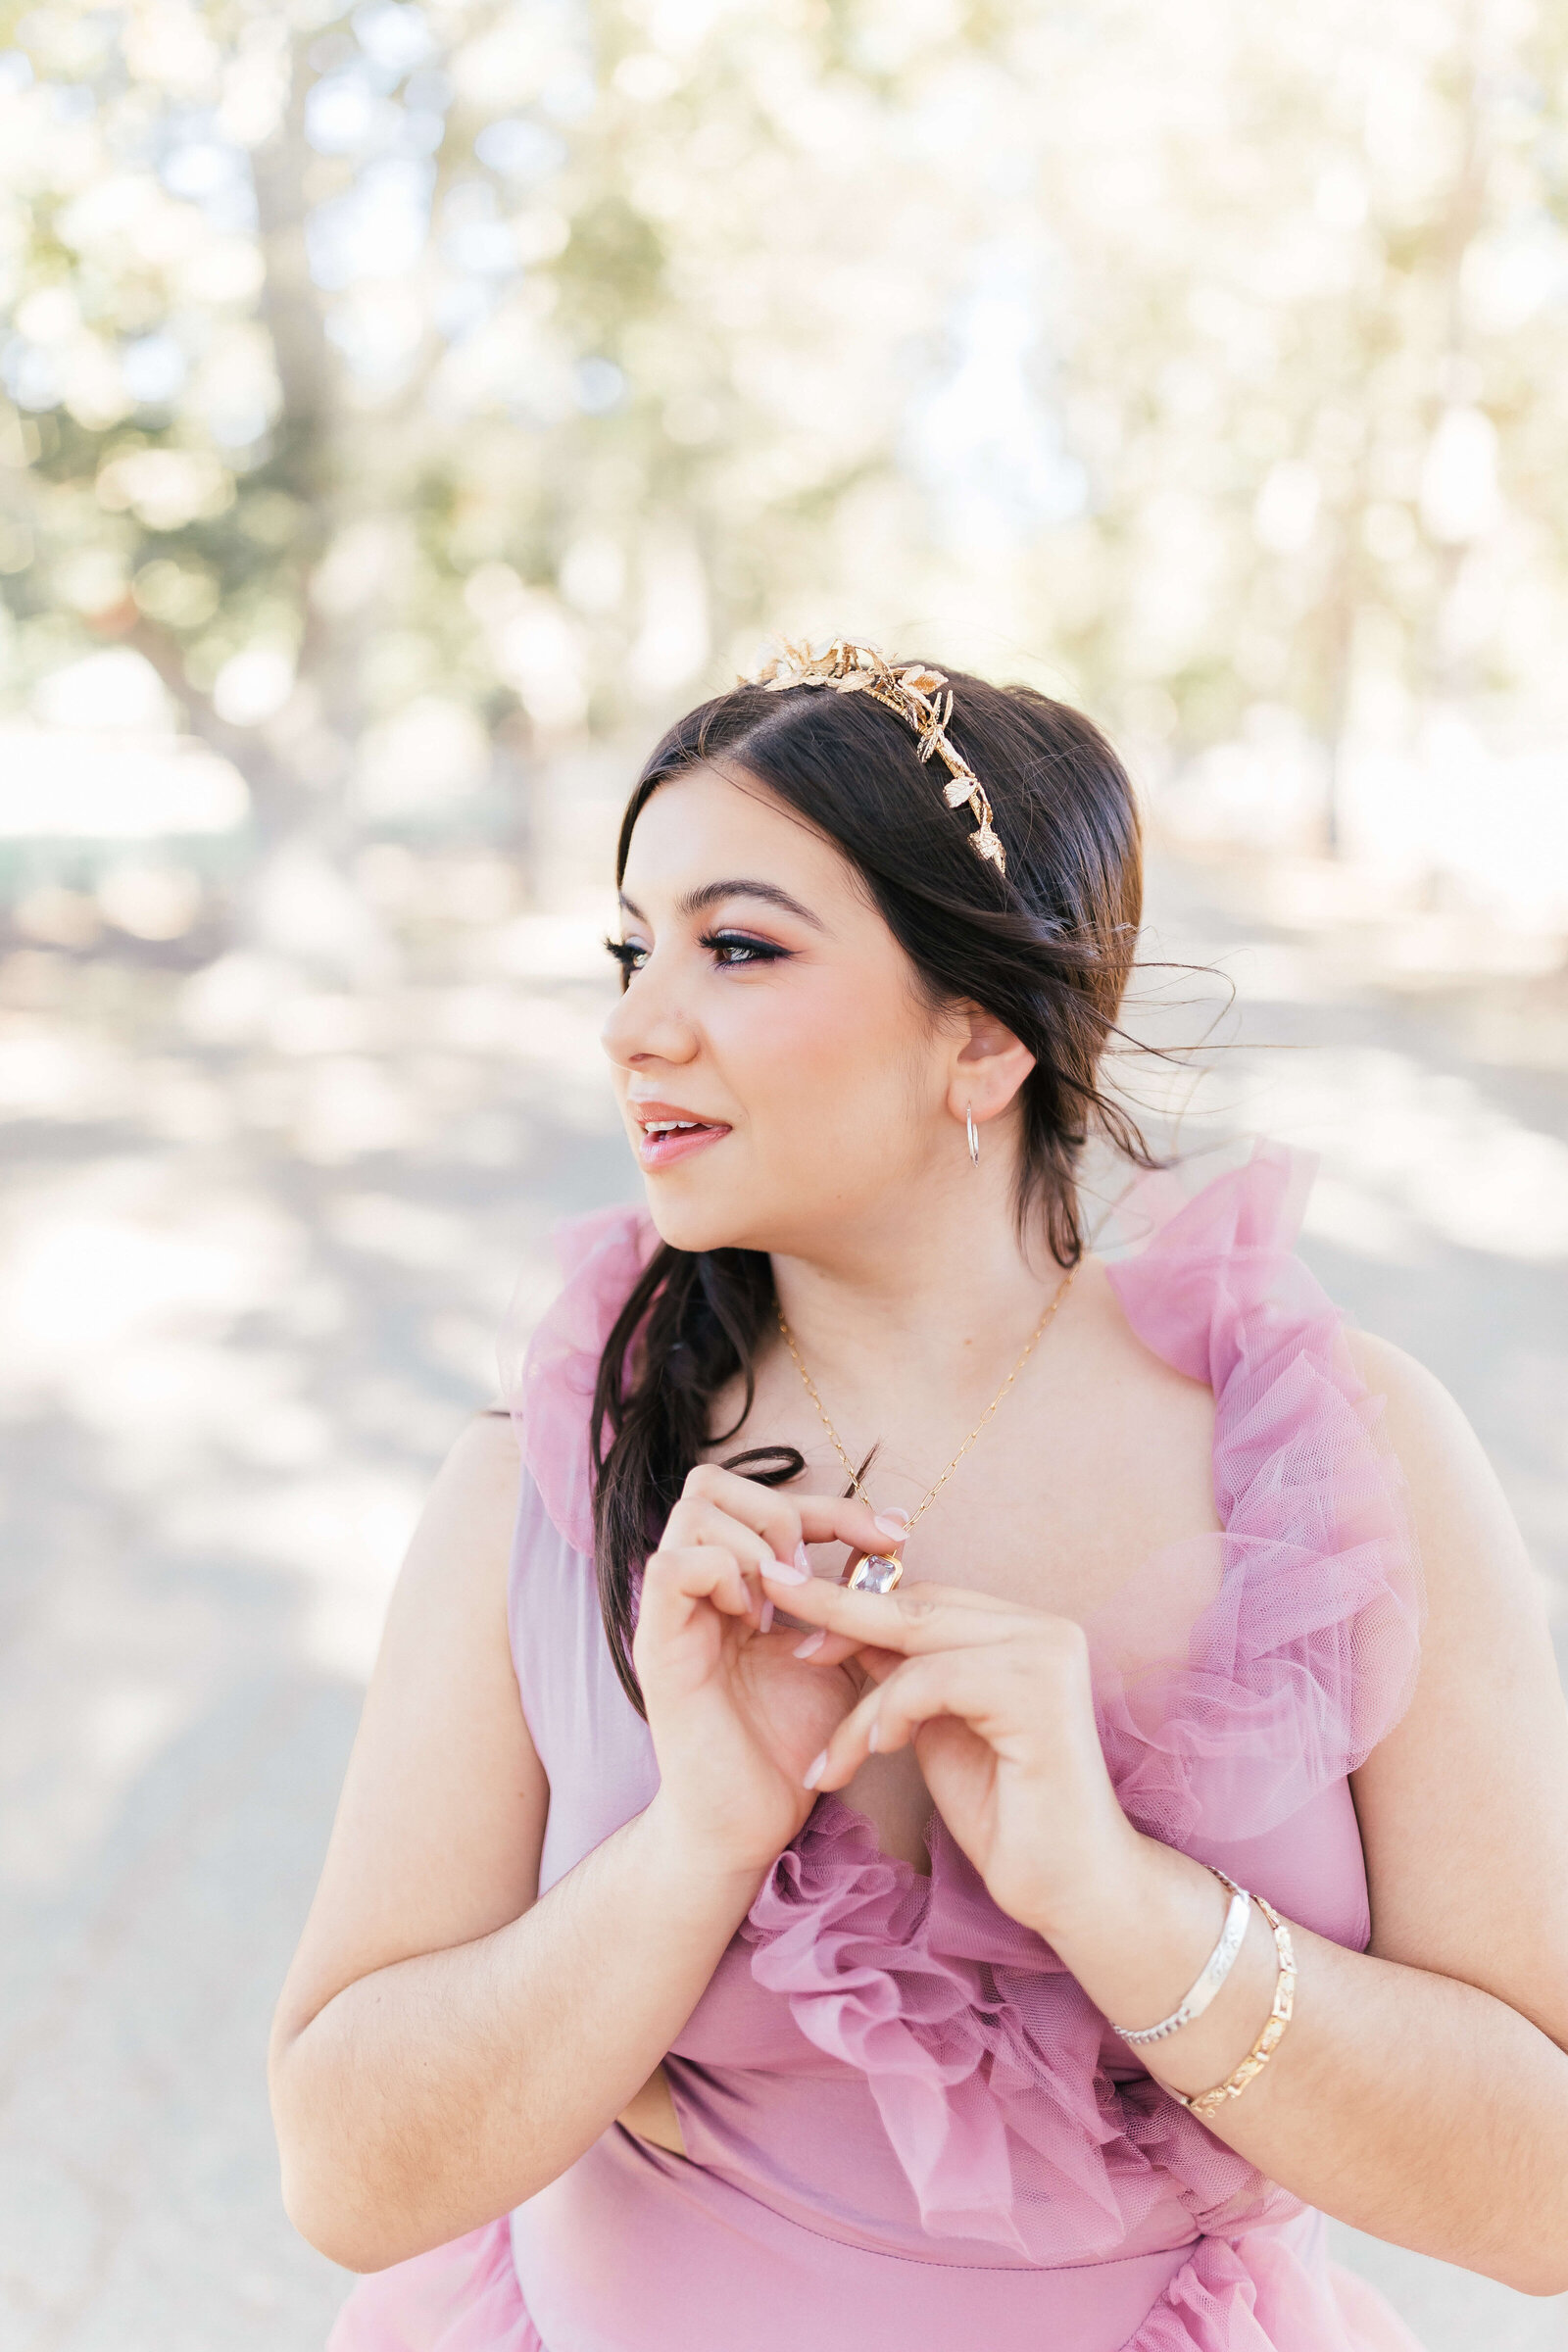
(822, 1648)
(676, 1584)
(845, 1519)
(697, 1520)
(968, 1684)
(770, 1519)
(962, 1683)
(913, 1620)
(784, 1521)
(703, 1523)
(878, 1663)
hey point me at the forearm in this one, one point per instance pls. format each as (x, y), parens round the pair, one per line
(1409, 2104)
(445, 2089)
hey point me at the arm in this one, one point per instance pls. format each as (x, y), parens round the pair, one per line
(1426, 2096)
(446, 2043)
(1421, 2091)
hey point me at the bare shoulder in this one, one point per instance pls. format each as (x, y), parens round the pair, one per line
(485, 1450)
(480, 1473)
(1463, 1807)
(1471, 1548)
(1388, 1371)
(1417, 1401)
(451, 1590)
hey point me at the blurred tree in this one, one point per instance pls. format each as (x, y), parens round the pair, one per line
(417, 387)
(372, 374)
(1310, 311)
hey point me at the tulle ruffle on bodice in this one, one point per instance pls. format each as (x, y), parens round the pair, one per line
(984, 2055)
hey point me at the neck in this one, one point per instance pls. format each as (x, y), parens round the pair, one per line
(932, 1291)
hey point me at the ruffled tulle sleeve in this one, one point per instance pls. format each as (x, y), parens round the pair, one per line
(548, 1378)
(1306, 1654)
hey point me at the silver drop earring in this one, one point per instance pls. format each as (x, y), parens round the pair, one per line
(974, 1134)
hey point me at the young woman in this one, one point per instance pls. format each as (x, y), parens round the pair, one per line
(920, 1809)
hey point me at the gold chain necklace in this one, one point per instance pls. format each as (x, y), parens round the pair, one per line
(878, 1572)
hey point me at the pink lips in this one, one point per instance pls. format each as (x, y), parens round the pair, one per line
(656, 1152)
(663, 1150)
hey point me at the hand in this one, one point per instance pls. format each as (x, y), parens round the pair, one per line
(735, 1718)
(997, 1700)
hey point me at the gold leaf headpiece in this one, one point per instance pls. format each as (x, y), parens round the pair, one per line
(914, 694)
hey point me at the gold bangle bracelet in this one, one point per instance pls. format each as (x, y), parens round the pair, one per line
(1208, 2102)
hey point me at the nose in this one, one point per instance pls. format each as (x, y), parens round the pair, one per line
(646, 1023)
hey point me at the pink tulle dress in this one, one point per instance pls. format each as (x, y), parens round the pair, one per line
(906, 2124)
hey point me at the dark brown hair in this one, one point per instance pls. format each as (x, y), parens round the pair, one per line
(1047, 951)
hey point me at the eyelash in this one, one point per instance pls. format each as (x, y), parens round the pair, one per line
(757, 950)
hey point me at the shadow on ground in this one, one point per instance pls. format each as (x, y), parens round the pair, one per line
(258, 1236)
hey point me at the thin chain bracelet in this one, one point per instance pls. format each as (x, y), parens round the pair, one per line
(1209, 2102)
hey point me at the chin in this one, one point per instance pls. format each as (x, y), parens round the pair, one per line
(687, 1220)
(763, 1226)
(692, 1224)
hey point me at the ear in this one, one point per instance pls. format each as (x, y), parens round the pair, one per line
(988, 1065)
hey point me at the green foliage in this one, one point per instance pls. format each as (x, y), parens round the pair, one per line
(542, 358)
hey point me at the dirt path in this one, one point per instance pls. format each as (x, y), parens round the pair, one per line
(256, 1237)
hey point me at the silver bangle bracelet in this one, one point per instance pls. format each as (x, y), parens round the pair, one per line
(1216, 1968)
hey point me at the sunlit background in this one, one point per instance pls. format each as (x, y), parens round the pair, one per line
(405, 411)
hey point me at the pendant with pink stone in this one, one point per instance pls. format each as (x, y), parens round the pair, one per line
(878, 1572)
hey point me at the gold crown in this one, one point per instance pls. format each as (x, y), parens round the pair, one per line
(914, 694)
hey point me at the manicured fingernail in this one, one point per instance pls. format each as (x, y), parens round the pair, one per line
(892, 1522)
(873, 1736)
(783, 1573)
(815, 1769)
(812, 1644)
(801, 1560)
(766, 1625)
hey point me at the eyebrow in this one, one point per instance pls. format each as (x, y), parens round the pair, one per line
(708, 894)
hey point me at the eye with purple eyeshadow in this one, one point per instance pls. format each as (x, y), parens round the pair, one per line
(732, 950)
